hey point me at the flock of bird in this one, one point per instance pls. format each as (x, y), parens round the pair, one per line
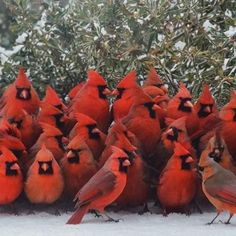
(144, 146)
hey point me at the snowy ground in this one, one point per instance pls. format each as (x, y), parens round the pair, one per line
(44, 224)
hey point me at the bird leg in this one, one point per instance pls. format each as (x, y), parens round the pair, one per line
(218, 213)
(144, 210)
(111, 219)
(97, 215)
(198, 208)
(228, 221)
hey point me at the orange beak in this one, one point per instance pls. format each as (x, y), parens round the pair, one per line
(44, 166)
(189, 160)
(106, 91)
(115, 93)
(189, 104)
(156, 107)
(70, 154)
(126, 163)
(24, 94)
(170, 132)
(96, 130)
(15, 167)
(207, 109)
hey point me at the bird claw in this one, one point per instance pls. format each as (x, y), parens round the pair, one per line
(113, 220)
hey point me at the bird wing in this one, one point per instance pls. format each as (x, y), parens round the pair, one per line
(222, 186)
(101, 183)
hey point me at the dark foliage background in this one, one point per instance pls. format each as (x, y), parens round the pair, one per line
(189, 40)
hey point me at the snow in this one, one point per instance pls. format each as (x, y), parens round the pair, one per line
(5, 54)
(208, 25)
(231, 31)
(44, 224)
(180, 45)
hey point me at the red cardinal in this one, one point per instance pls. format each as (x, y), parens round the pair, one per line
(118, 136)
(9, 129)
(87, 128)
(154, 79)
(228, 130)
(104, 187)
(21, 94)
(13, 144)
(177, 185)
(176, 132)
(53, 139)
(124, 95)
(51, 115)
(44, 183)
(205, 107)
(92, 100)
(11, 180)
(180, 105)
(219, 186)
(132, 195)
(25, 123)
(144, 111)
(74, 91)
(52, 98)
(78, 166)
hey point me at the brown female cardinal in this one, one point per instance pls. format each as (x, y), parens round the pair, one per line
(104, 187)
(11, 180)
(21, 94)
(219, 186)
(87, 128)
(177, 185)
(180, 105)
(228, 129)
(124, 95)
(144, 111)
(92, 101)
(78, 166)
(217, 150)
(44, 182)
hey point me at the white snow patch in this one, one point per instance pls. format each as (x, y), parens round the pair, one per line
(208, 25)
(5, 54)
(42, 224)
(231, 31)
(21, 38)
(180, 45)
(224, 67)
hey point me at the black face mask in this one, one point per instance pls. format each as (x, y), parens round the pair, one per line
(149, 106)
(59, 107)
(76, 158)
(184, 164)
(17, 122)
(123, 169)
(131, 156)
(202, 112)
(121, 91)
(59, 141)
(9, 171)
(20, 90)
(175, 135)
(182, 106)
(49, 170)
(17, 153)
(58, 117)
(101, 89)
(217, 157)
(92, 135)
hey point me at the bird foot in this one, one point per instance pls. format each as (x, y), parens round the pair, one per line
(113, 220)
(96, 214)
(144, 210)
(209, 223)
